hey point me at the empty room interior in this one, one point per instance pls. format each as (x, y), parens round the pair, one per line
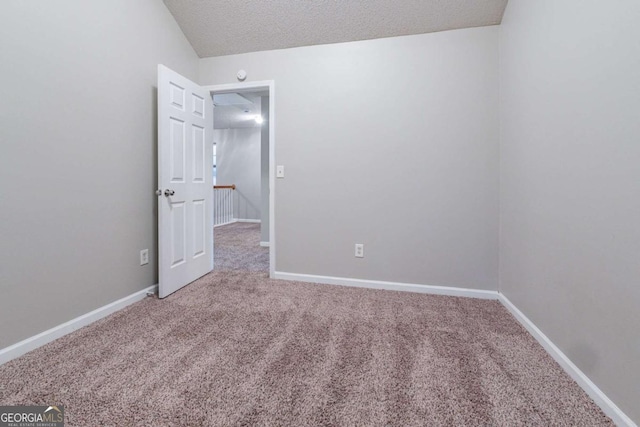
(320, 212)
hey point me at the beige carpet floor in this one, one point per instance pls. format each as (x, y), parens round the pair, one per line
(238, 349)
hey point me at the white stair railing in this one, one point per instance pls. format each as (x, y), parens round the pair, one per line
(223, 204)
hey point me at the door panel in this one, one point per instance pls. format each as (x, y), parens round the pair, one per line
(199, 159)
(178, 233)
(199, 215)
(176, 160)
(185, 161)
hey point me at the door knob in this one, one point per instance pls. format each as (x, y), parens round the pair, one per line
(169, 193)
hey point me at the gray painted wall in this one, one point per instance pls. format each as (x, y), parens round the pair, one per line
(392, 143)
(264, 171)
(238, 152)
(570, 182)
(78, 154)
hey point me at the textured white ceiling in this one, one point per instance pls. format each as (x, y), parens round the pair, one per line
(225, 27)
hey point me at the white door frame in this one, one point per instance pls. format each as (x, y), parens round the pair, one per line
(261, 85)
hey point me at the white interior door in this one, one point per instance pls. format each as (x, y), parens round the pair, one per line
(185, 163)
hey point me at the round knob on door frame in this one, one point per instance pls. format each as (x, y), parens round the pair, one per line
(169, 193)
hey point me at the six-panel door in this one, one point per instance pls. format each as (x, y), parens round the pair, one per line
(185, 162)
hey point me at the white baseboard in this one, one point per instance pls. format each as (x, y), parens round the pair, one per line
(25, 346)
(391, 286)
(226, 223)
(233, 221)
(606, 404)
(265, 244)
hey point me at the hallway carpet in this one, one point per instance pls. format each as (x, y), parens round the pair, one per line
(238, 349)
(237, 247)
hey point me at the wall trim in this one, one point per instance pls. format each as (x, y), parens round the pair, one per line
(25, 346)
(598, 396)
(225, 223)
(265, 244)
(391, 286)
(252, 221)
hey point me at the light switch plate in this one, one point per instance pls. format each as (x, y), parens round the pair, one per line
(280, 171)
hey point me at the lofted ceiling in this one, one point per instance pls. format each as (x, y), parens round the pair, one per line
(226, 27)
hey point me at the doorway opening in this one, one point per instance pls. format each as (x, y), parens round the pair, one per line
(243, 175)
